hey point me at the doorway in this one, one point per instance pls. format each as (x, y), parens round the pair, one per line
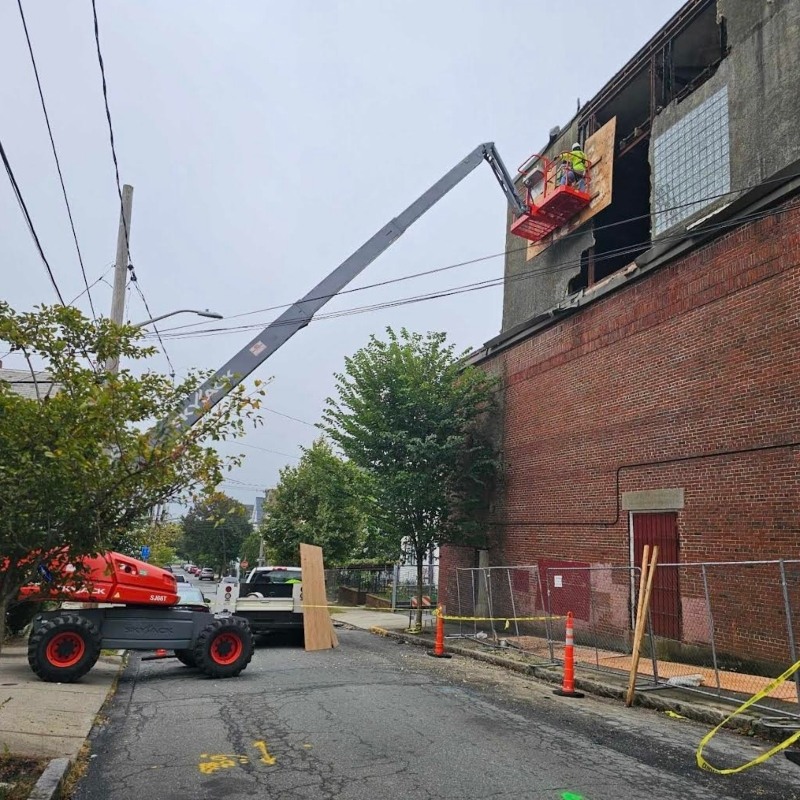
(665, 605)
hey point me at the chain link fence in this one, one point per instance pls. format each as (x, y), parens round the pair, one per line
(601, 599)
(725, 629)
(504, 606)
(392, 586)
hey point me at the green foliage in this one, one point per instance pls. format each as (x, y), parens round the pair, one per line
(214, 530)
(250, 548)
(321, 502)
(78, 463)
(163, 539)
(412, 416)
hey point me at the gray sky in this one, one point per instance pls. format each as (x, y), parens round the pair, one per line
(268, 140)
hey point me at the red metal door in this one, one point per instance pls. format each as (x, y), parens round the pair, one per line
(662, 530)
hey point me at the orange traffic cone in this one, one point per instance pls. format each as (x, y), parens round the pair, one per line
(438, 645)
(160, 653)
(568, 683)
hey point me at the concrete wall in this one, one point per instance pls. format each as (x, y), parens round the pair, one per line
(534, 286)
(697, 359)
(762, 73)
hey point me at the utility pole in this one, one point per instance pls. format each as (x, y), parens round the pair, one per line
(121, 267)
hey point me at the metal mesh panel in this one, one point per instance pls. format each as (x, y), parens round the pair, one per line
(504, 605)
(737, 624)
(691, 162)
(599, 598)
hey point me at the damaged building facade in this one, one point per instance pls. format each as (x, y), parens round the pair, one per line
(649, 358)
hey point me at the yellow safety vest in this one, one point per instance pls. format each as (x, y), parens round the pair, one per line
(577, 160)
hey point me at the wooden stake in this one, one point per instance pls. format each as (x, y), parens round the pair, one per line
(645, 589)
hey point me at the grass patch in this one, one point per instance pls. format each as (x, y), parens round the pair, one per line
(18, 775)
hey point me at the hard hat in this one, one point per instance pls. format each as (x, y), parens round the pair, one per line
(576, 146)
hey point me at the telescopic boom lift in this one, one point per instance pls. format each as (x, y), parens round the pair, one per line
(278, 332)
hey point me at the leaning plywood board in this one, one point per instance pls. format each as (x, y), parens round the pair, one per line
(317, 625)
(599, 150)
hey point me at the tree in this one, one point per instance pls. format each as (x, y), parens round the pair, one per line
(163, 539)
(251, 547)
(412, 416)
(321, 502)
(79, 462)
(214, 529)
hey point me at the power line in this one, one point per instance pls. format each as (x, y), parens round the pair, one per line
(158, 334)
(131, 269)
(264, 449)
(21, 201)
(55, 156)
(289, 416)
(472, 287)
(93, 283)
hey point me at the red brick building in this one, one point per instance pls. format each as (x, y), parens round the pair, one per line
(651, 389)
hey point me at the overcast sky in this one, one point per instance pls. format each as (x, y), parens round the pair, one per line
(266, 141)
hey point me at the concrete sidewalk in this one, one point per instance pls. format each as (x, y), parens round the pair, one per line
(368, 618)
(49, 720)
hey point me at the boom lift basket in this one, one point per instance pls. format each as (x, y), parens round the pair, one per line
(551, 204)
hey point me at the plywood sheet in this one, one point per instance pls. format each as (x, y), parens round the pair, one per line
(599, 150)
(317, 624)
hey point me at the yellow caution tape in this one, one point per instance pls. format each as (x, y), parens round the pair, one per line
(703, 764)
(506, 620)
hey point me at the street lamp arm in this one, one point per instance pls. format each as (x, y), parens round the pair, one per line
(206, 313)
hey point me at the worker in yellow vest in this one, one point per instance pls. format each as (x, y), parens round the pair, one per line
(573, 167)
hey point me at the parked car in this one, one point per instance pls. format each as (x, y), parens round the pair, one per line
(181, 579)
(206, 574)
(194, 570)
(191, 597)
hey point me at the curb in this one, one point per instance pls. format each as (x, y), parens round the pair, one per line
(51, 782)
(550, 674)
(48, 787)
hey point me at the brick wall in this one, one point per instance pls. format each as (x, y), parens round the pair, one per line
(642, 390)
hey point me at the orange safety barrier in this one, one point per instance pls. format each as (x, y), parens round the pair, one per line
(568, 683)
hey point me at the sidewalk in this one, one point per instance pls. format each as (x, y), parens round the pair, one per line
(368, 618)
(48, 720)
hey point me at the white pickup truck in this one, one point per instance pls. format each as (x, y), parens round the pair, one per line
(270, 599)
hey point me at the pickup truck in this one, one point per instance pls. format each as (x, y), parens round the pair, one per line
(270, 599)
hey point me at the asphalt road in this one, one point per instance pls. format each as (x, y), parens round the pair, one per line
(379, 719)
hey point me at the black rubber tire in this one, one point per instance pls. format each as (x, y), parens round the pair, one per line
(50, 631)
(186, 657)
(208, 658)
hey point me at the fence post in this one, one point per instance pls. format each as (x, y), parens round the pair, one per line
(789, 627)
(395, 581)
(549, 614)
(513, 604)
(487, 577)
(713, 631)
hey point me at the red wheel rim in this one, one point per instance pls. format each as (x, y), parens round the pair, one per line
(65, 649)
(226, 648)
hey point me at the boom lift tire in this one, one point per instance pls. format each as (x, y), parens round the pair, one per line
(63, 649)
(186, 657)
(224, 647)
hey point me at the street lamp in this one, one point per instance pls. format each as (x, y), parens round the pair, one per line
(206, 313)
(112, 365)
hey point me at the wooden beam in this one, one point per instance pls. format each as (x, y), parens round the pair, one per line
(641, 617)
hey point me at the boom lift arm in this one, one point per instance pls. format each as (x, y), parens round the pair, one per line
(278, 332)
